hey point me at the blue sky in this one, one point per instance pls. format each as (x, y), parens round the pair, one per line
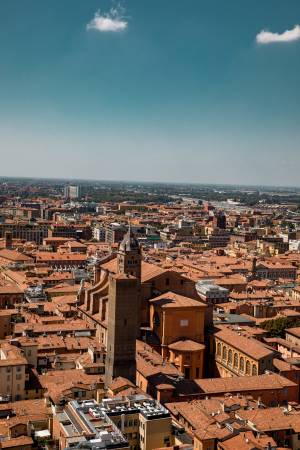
(162, 90)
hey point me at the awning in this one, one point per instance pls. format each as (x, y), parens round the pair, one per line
(42, 434)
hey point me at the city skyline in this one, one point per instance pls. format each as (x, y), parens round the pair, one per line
(191, 92)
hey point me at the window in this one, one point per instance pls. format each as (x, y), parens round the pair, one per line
(248, 367)
(184, 323)
(254, 370)
(242, 364)
(219, 349)
(235, 361)
(224, 353)
(230, 357)
(167, 281)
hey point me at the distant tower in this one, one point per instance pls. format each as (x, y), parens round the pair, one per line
(220, 220)
(122, 327)
(130, 256)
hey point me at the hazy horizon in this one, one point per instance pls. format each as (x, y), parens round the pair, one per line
(184, 92)
(159, 182)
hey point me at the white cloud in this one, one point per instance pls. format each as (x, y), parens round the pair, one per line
(112, 21)
(267, 37)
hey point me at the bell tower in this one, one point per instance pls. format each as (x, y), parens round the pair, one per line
(130, 256)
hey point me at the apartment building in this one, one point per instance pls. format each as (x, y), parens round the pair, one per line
(126, 422)
(292, 335)
(24, 230)
(210, 292)
(12, 373)
(275, 270)
(10, 295)
(61, 260)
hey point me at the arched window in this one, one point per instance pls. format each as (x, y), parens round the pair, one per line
(224, 353)
(242, 364)
(219, 349)
(254, 369)
(230, 357)
(236, 361)
(248, 368)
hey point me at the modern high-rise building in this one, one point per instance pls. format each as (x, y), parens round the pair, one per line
(72, 192)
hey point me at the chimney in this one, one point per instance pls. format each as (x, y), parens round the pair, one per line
(8, 239)
(254, 262)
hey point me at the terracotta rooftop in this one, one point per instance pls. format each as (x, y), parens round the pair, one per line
(248, 346)
(186, 346)
(17, 442)
(172, 300)
(240, 384)
(150, 363)
(149, 271)
(10, 289)
(14, 256)
(248, 441)
(54, 256)
(272, 419)
(60, 383)
(294, 331)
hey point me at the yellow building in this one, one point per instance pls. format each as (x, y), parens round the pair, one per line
(12, 372)
(238, 355)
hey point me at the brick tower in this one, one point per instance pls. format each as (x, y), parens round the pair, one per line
(122, 327)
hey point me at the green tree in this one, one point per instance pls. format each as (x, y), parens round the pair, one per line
(276, 327)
